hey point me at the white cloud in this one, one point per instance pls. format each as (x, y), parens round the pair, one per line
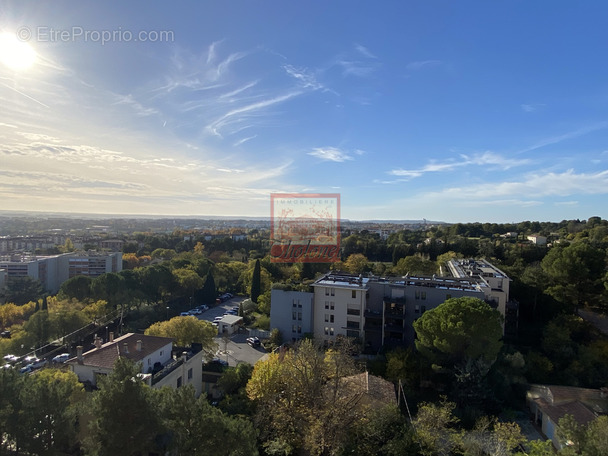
(485, 159)
(535, 185)
(330, 154)
(365, 51)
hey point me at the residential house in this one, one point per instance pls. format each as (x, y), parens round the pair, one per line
(160, 363)
(549, 403)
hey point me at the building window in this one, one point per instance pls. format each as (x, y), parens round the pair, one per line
(354, 294)
(331, 318)
(331, 331)
(294, 315)
(299, 304)
(326, 304)
(327, 292)
(423, 295)
(423, 309)
(190, 374)
(179, 382)
(293, 328)
(417, 295)
(331, 305)
(299, 330)
(294, 303)
(416, 309)
(326, 318)
(333, 291)
(300, 316)
(326, 331)
(161, 353)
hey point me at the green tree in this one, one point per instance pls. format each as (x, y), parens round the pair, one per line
(50, 400)
(21, 290)
(575, 273)
(415, 265)
(78, 287)
(356, 263)
(11, 431)
(124, 414)
(457, 330)
(435, 426)
(209, 293)
(187, 281)
(109, 287)
(256, 282)
(193, 427)
(185, 331)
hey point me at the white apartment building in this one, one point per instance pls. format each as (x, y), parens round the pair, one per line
(381, 311)
(53, 270)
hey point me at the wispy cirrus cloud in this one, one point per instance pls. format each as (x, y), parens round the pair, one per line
(365, 51)
(531, 107)
(486, 159)
(333, 154)
(566, 136)
(534, 185)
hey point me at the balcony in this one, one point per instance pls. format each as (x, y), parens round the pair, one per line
(373, 314)
(352, 325)
(391, 327)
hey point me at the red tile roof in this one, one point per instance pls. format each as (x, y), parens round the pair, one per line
(108, 353)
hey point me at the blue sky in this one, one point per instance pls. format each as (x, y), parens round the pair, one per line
(455, 111)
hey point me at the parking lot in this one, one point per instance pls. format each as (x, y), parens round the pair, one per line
(235, 350)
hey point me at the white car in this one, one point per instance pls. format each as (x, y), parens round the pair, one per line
(62, 358)
(11, 358)
(217, 319)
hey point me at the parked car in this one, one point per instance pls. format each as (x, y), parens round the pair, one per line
(219, 361)
(254, 341)
(5, 334)
(232, 312)
(11, 358)
(203, 307)
(62, 358)
(26, 369)
(217, 319)
(38, 363)
(196, 312)
(184, 314)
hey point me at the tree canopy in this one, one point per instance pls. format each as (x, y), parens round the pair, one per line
(185, 331)
(459, 329)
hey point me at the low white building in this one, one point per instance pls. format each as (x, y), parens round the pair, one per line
(159, 365)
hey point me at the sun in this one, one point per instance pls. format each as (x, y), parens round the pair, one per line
(15, 54)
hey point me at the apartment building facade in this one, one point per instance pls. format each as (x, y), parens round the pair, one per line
(381, 311)
(53, 270)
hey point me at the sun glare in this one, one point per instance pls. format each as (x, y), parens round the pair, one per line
(15, 54)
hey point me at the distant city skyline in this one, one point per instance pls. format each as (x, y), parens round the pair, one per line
(448, 111)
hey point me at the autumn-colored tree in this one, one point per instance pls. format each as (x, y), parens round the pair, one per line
(185, 331)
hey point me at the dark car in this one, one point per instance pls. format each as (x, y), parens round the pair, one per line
(254, 341)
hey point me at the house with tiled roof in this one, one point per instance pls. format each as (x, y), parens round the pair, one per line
(550, 403)
(161, 364)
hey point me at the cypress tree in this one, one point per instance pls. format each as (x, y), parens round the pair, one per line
(256, 281)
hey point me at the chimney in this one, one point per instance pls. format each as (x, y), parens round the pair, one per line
(125, 347)
(184, 356)
(97, 342)
(111, 336)
(79, 354)
(139, 345)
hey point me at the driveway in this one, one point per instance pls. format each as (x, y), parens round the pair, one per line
(236, 350)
